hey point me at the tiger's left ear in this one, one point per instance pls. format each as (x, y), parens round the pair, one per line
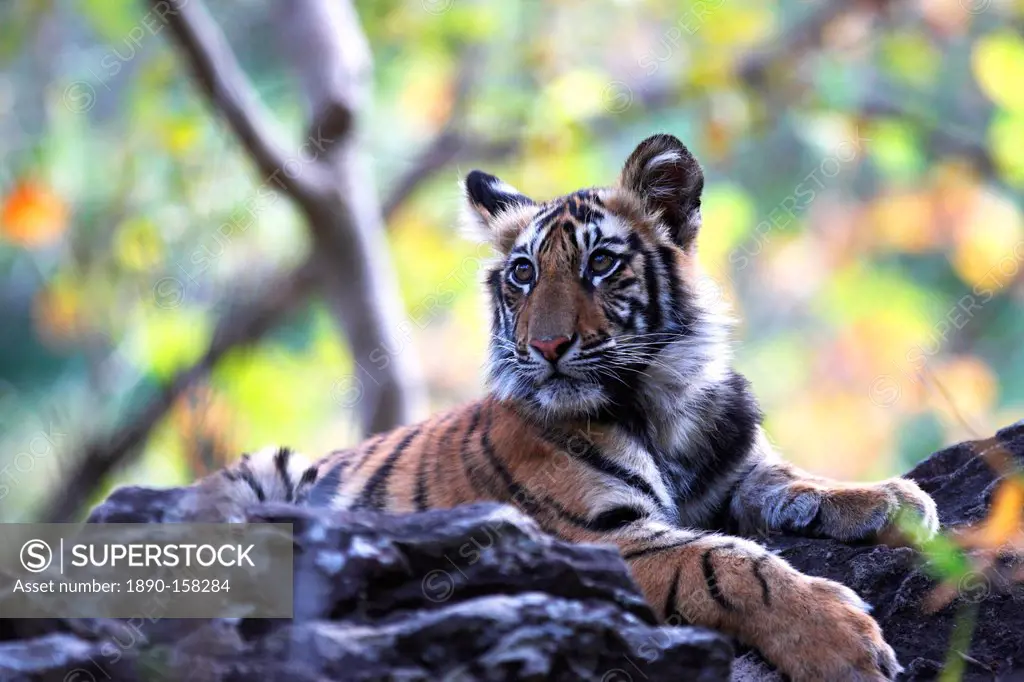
(662, 172)
(487, 198)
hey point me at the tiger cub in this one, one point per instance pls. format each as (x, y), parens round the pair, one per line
(614, 416)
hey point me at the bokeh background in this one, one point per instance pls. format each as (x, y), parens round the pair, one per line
(862, 213)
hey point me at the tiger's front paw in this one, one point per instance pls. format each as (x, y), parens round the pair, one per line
(923, 523)
(837, 641)
(861, 512)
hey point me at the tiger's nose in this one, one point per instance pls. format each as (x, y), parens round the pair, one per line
(552, 347)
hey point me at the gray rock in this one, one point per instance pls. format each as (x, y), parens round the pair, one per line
(52, 656)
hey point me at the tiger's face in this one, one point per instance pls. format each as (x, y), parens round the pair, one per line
(595, 293)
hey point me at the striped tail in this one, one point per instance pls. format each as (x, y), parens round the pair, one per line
(271, 474)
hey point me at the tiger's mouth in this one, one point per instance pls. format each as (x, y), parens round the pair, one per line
(559, 379)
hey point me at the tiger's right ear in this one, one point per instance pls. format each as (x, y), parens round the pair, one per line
(487, 200)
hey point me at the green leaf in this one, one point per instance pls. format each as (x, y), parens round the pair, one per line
(998, 64)
(896, 149)
(170, 340)
(114, 20)
(1006, 140)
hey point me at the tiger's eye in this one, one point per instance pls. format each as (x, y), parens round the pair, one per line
(601, 262)
(522, 271)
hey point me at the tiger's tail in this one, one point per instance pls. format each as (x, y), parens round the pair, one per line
(271, 474)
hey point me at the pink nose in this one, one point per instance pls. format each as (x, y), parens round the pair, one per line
(552, 347)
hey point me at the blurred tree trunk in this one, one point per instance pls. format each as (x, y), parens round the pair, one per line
(331, 56)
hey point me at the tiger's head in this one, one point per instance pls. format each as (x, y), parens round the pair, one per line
(597, 297)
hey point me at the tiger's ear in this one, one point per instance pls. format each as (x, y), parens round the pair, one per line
(662, 172)
(487, 198)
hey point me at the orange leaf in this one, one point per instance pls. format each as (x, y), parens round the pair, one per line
(1007, 509)
(1004, 520)
(33, 215)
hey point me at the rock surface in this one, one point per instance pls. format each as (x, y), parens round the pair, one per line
(478, 593)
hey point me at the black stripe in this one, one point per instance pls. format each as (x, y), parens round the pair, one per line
(374, 495)
(614, 519)
(548, 241)
(668, 259)
(246, 473)
(325, 487)
(371, 447)
(711, 580)
(673, 594)
(637, 553)
(732, 415)
(541, 219)
(654, 316)
(281, 464)
(479, 487)
(591, 456)
(309, 475)
(421, 498)
(582, 211)
(766, 593)
(530, 501)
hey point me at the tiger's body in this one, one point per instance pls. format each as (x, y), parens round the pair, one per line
(614, 416)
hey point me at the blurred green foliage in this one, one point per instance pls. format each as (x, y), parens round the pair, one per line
(862, 211)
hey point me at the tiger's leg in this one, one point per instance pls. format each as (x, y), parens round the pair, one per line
(775, 495)
(810, 628)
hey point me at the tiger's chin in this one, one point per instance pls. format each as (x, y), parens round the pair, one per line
(552, 397)
(563, 397)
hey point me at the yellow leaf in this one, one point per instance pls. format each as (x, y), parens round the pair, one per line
(426, 99)
(998, 62)
(731, 25)
(138, 245)
(859, 437)
(57, 311)
(579, 94)
(903, 222)
(729, 216)
(989, 242)
(181, 135)
(912, 57)
(33, 215)
(970, 384)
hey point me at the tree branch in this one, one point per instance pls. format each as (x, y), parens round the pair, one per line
(324, 41)
(222, 79)
(447, 148)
